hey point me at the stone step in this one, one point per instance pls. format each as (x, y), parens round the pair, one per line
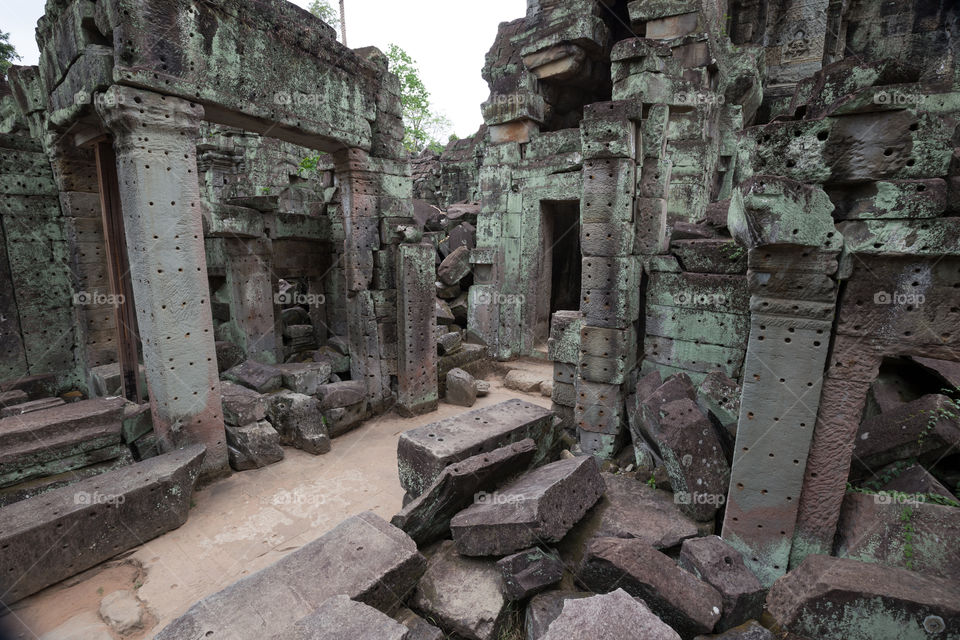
(31, 444)
(30, 406)
(424, 452)
(51, 537)
(364, 558)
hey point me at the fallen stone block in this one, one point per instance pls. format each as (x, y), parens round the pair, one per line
(455, 266)
(722, 567)
(525, 381)
(305, 377)
(30, 406)
(694, 457)
(424, 452)
(297, 418)
(241, 405)
(444, 313)
(137, 421)
(253, 446)
(68, 530)
(427, 517)
(419, 629)
(338, 360)
(11, 398)
(528, 572)
(341, 394)
(630, 508)
(461, 388)
(449, 343)
(916, 479)
(539, 507)
(719, 397)
(900, 531)
(686, 603)
(462, 595)
(544, 608)
(260, 377)
(339, 618)
(750, 631)
(896, 435)
(832, 598)
(483, 388)
(610, 616)
(344, 419)
(363, 558)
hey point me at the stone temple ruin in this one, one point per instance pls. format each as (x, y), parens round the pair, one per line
(733, 228)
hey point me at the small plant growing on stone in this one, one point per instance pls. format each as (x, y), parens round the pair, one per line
(264, 191)
(652, 482)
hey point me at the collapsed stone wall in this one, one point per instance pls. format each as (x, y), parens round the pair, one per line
(758, 184)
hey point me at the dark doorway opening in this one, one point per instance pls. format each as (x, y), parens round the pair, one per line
(559, 284)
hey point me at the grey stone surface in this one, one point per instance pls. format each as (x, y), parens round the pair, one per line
(253, 445)
(30, 406)
(539, 507)
(423, 452)
(427, 517)
(229, 355)
(461, 388)
(364, 558)
(449, 343)
(337, 395)
(298, 420)
(838, 599)
(721, 566)
(105, 515)
(521, 380)
(241, 405)
(462, 594)
(419, 629)
(341, 618)
(122, 610)
(611, 616)
(305, 377)
(544, 608)
(751, 630)
(262, 378)
(686, 603)
(529, 571)
(455, 266)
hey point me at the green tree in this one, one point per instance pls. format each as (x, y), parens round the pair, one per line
(323, 10)
(7, 53)
(423, 127)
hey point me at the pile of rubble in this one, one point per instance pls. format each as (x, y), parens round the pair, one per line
(504, 536)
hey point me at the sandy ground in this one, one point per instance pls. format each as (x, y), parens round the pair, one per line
(244, 523)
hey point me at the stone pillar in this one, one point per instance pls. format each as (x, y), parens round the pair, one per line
(792, 263)
(416, 329)
(610, 285)
(155, 138)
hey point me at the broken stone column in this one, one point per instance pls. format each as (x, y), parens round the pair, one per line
(248, 268)
(155, 142)
(416, 330)
(793, 258)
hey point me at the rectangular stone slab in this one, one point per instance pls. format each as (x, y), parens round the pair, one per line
(427, 517)
(62, 431)
(61, 533)
(364, 557)
(538, 507)
(340, 617)
(424, 452)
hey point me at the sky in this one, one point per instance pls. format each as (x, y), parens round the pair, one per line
(447, 38)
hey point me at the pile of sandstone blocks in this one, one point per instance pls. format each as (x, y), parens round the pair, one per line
(504, 535)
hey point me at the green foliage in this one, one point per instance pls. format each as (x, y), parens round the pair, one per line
(422, 125)
(652, 482)
(323, 10)
(7, 53)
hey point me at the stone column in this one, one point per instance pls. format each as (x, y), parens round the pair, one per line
(416, 329)
(155, 138)
(249, 279)
(792, 263)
